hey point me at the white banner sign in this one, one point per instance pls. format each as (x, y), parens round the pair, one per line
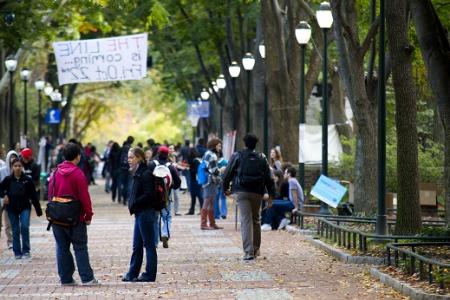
(107, 59)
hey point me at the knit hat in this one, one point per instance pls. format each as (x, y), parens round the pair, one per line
(163, 150)
(26, 153)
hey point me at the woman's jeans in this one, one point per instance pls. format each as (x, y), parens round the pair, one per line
(220, 204)
(277, 212)
(77, 236)
(143, 237)
(166, 220)
(20, 223)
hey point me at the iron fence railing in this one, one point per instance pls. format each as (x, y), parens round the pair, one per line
(427, 268)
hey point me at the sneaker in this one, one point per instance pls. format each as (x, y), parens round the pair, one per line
(142, 278)
(165, 241)
(26, 256)
(127, 278)
(223, 217)
(266, 227)
(257, 253)
(189, 213)
(283, 224)
(70, 283)
(92, 282)
(248, 257)
(18, 256)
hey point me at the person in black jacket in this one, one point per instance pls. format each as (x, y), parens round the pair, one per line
(18, 190)
(166, 215)
(114, 170)
(251, 176)
(30, 168)
(141, 203)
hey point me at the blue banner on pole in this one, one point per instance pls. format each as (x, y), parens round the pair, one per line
(53, 116)
(198, 108)
(328, 191)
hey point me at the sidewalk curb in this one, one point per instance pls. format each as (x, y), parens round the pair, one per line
(338, 254)
(403, 287)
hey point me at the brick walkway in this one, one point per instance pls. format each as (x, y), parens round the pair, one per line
(198, 265)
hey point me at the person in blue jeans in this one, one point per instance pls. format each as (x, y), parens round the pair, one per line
(18, 190)
(143, 205)
(166, 215)
(220, 202)
(276, 211)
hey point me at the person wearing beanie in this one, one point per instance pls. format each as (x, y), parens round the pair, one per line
(166, 216)
(30, 168)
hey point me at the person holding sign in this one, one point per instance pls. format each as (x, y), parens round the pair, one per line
(276, 212)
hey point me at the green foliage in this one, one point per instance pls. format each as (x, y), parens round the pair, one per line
(158, 16)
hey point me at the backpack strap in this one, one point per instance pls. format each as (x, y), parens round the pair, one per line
(156, 162)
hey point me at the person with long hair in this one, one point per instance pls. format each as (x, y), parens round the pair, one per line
(19, 193)
(275, 159)
(209, 189)
(142, 204)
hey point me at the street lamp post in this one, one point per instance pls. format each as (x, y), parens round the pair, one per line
(248, 61)
(56, 98)
(262, 53)
(381, 225)
(39, 85)
(302, 34)
(234, 69)
(48, 90)
(325, 20)
(25, 76)
(11, 65)
(221, 84)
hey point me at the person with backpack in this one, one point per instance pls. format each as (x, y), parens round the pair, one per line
(208, 175)
(145, 207)
(162, 164)
(30, 168)
(17, 191)
(124, 177)
(68, 184)
(251, 176)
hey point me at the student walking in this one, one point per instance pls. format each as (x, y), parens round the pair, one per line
(4, 172)
(143, 205)
(70, 181)
(18, 191)
(251, 176)
(166, 214)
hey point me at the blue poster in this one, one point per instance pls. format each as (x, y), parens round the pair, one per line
(198, 108)
(328, 191)
(53, 116)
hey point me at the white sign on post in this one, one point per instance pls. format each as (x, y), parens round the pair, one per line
(107, 59)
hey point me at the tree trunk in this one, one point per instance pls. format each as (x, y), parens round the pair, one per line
(351, 66)
(435, 49)
(408, 206)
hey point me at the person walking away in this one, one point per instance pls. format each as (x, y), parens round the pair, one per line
(124, 177)
(174, 159)
(5, 171)
(166, 215)
(144, 207)
(220, 202)
(250, 173)
(114, 170)
(209, 189)
(194, 161)
(106, 172)
(18, 191)
(69, 181)
(31, 169)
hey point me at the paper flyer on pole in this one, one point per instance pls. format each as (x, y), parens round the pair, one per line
(107, 59)
(328, 191)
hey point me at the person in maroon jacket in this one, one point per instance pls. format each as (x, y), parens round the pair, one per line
(69, 180)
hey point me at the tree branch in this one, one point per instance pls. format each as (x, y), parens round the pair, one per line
(369, 37)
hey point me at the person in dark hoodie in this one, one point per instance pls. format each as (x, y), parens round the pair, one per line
(18, 190)
(166, 215)
(30, 168)
(142, 204)
(69, 180)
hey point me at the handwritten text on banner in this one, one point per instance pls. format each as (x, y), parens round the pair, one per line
(107, 59)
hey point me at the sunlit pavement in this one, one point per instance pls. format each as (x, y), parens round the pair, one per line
(197, 265)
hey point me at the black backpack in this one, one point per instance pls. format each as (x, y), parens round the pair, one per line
(251, 169)
(123, 160)
(62, 210)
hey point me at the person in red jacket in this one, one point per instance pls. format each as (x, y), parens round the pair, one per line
(69, 180)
